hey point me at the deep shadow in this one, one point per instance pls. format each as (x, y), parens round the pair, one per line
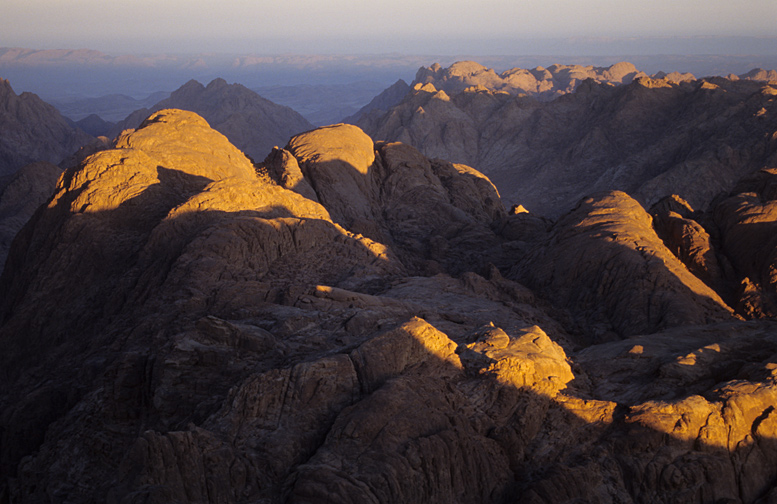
(194, 359)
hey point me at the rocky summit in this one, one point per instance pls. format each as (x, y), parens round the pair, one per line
(352, 321)
(31, 130)
(252, 123)
(605, 129)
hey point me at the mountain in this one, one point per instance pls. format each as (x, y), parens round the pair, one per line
(323, 104)
(544, 83)
(651, 137)
(352, 321)
(378, 106)
(22, 194)
(252, 123)
(110, 108)
(95, 125)
(32, 130)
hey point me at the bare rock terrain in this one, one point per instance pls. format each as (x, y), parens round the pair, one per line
(648, 136)
(544, 83)
(352, 321)
(31, 130)
(20, 197)
(252, 123)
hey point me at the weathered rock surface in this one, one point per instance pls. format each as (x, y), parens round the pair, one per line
(605, 264)
(747, 220)
(545, 83)
(343, 324)
(252, 123)
(20, 196)
(651, 137)
(31, 130)
(431, 212)
(689, 241)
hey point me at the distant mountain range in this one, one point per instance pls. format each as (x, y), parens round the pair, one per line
(60, 75)
(252, 123)
(647, 136)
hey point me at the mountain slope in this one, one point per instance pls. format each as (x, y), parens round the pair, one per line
(21, 196)
(542, 83)
(252, 123)
(650, 138)
(345, 323)
(32, 130)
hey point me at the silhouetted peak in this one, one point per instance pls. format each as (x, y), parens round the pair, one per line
(400, 83)
(40, 133)
(217, 83)
(191, 86)
(5, 88)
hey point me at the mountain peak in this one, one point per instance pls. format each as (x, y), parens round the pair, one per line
(252, 123)
(5, 87)
(40, 133)
(217, 83)
(192, 85)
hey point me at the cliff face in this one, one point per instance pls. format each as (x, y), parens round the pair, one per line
(20, 197)
(352, 321)
(650, 137)
(31, 130)
(252, 123)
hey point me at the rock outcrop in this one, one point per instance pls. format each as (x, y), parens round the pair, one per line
(605, 264)
(31, 130)
(20, 196)
(544, 83)
(346, 322)
(651, 137)
(252, 123)
(746, 220)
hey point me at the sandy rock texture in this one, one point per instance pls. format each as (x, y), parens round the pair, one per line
(604, 261)
(252, 123)
(351, 321)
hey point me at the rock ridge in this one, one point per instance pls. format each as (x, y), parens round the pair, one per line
(353, 321)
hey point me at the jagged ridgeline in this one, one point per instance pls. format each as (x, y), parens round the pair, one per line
(31, 130)
(546, 147)
(352, 321)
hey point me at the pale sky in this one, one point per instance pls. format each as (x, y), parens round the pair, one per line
(359, 26)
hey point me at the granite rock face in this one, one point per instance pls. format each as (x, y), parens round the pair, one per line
(649, 137)
(20, 196)
(604, 261)
(31, 130)
(252, 123)
(352, 321)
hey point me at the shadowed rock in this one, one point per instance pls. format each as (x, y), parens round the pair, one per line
(649, 137)
(26, 190)
(31, 130)
(253, 124)
(605, 264)
(180, 326)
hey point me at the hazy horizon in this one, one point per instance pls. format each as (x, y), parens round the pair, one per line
(494, 27)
